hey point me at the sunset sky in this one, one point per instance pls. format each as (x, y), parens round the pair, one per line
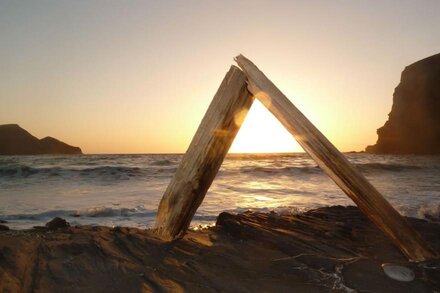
(137, 76)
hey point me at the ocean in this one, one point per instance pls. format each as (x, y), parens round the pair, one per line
(125, 190)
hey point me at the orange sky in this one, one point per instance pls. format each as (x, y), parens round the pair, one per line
(137, 76)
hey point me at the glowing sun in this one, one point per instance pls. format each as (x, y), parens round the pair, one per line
(261, 132)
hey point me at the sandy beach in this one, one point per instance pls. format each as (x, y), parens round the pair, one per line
(333, 249)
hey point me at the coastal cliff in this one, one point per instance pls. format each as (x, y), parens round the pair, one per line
(14, 140)
(413, 126)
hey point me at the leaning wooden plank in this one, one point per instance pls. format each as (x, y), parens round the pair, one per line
(352, 182)
(204, 156)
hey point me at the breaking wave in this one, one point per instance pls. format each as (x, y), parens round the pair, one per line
(145, 217)
(94, 212)
(310, 169)
(126, 189)
(110, 172)
(167, 168)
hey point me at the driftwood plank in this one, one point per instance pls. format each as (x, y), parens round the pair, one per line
(204, 156)
(335, 165)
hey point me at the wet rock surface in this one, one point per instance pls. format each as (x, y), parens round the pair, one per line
(334, 249)
(57, 223)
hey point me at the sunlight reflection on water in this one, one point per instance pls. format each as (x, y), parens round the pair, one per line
(126, 189)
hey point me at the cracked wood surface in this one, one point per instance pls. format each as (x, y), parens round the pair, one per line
(204, 156)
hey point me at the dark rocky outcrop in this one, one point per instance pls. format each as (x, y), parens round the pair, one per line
(14, 140)
(57, 223)
(333, 249)
(413, 126)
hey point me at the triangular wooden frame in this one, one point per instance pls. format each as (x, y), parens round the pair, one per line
(216, 133)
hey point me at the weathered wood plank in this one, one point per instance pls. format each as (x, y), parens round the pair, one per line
(335, 165)
(204, 156)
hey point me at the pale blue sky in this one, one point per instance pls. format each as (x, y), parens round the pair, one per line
(137, 76)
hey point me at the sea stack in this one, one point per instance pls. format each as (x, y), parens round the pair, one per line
(14, 140)
(413, 126)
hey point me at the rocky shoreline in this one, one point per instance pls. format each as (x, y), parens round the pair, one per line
(323, 250)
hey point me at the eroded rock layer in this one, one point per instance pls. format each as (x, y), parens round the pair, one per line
(333, 249)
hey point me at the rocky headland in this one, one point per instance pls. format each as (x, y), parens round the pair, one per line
(14, 140)
(413, 126)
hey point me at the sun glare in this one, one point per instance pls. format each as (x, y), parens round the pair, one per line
(261, 132)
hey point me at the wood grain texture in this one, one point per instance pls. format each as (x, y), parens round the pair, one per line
(335, 165)
(204, 156)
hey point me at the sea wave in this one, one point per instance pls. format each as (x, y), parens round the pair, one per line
(143, 217)
(314, 169)
(168, 168)
(109, 172)
(93, 212)
(140, 213)
(280, 170)
(97, 212)
(389, 167)
(430, 212)
(163, 163)
(281, 210)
